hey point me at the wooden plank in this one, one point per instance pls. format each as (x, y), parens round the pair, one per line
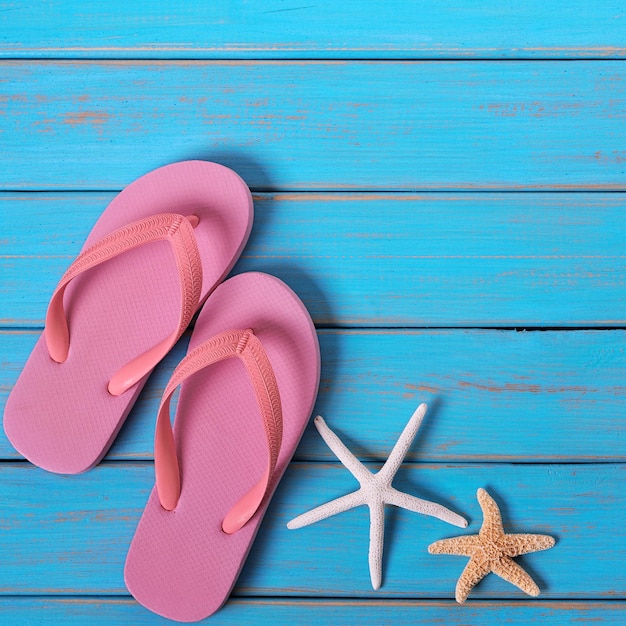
(275, 29)
(317, 125)
(438, 259)
(105, 611)
(69, 535)
(494, 395)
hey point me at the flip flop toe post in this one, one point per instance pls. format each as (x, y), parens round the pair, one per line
(247, 388)
(155, 254)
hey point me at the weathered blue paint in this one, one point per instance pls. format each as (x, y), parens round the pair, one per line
(317, 125)
(437, 259)
(377, 120)
(103, 611)
(69, 535)
(325, 28)
(494, 395)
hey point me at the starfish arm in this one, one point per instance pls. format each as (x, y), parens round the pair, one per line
(461, 546)
(473, 573)
(511, 572)
(377, 536)
(402, 446)
(524, 543)
(425, 507)
(329, 509)
(352, 464)
(492, 519)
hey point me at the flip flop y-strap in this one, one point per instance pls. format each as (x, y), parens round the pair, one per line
(245, 345)
(176, 229)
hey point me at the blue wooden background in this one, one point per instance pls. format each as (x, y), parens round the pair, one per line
(443, 184)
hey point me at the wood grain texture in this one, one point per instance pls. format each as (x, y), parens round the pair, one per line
(494, 395)
(317, 125)
(314, 103)
(438, 259)
(279, 29)
(104, 611)
(69, 535)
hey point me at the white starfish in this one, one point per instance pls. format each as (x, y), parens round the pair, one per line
(375, 491)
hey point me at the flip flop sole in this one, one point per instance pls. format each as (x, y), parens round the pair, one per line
(181, 564)
(60, 416)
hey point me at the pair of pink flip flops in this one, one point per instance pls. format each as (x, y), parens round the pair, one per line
(156, 254)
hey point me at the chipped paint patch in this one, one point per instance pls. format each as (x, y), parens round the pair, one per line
(91, 118)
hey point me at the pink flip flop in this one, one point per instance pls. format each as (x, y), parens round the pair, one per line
(249, 382)
(106, 328)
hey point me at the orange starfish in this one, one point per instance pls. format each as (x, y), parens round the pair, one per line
(492, 550)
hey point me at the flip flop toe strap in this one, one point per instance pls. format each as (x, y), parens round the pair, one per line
(171, 227)
(245, 345)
